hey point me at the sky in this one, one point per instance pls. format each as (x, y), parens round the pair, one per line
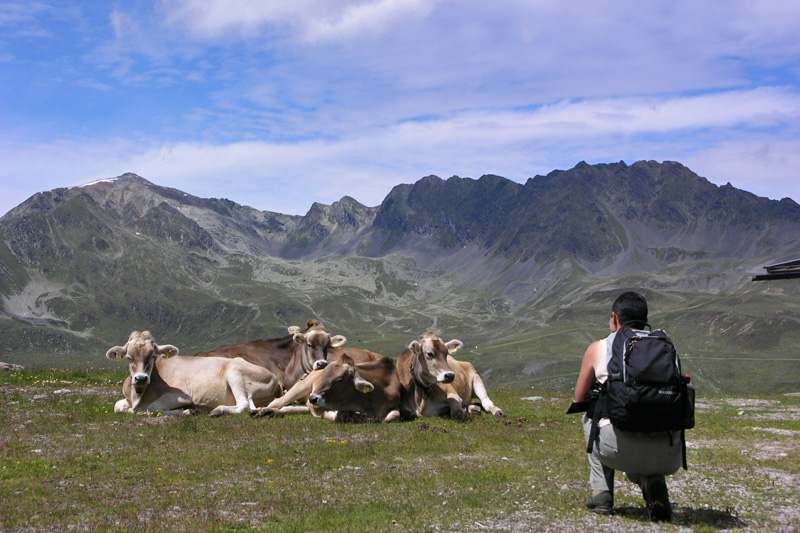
(280, 104)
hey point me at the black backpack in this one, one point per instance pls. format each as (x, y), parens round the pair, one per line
(646, 390)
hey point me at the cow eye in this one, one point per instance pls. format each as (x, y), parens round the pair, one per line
(430, 355)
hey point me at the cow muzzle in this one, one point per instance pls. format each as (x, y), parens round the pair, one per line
(316, 399)
(140, 382)
(447, 377)
(320, 364)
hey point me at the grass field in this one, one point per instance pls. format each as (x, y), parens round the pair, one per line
(68, 462)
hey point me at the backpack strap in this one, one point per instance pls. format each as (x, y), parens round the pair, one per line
(683, 448)
(615, 362)
(600, 410)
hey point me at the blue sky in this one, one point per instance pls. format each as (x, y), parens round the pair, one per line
(277, 105)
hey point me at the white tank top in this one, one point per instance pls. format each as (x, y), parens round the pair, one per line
(601, 364)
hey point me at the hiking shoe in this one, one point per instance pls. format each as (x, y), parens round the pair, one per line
(601, 503)
(657, 498)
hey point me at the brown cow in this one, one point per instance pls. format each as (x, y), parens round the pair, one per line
(290, 357)
(345, 389)
(299, 392)
(158, 382)
(435, 384)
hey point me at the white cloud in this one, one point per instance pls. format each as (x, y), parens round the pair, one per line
(765, 167)
(726, 142)
(21, 13)
(358, 19)
(121, 22)
(217, 19)
(307, 20)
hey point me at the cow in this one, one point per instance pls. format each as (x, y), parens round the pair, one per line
(299, 392)
(290, 357)
(346, 390)
(161, 381)
(436, 384)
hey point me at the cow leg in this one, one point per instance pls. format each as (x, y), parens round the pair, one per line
(393, 416)
(265, 412)
(123, 406)
(300, 391)
(456, 409)
(170, 404)
(327, 415)
(229, 409)
(237, 384)
(293, 409)
(261, 388)
(479, 391)
(320, 412)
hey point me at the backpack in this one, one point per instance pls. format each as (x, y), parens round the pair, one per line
(646, 390)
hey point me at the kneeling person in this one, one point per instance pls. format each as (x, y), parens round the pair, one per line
(646, 458)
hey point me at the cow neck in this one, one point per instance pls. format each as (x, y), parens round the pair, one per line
(306, 364)
(136, 398)
(416, 378)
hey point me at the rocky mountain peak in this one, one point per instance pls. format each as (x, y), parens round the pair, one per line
(83, 266)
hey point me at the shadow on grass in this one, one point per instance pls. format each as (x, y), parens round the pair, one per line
(686, 516)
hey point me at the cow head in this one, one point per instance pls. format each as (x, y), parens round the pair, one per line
(141, 352)
(314, 344)
(338, 384)
(430, 359)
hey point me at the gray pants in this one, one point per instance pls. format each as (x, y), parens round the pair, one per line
(639, 455)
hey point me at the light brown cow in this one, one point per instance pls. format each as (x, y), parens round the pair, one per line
(345, 390)
(290, 357)
(436, 384)
(159, 382)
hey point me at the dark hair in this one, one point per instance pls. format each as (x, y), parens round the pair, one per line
(631, 310)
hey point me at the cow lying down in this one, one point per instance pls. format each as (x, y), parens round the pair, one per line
(436, 384)
(346, 390)
(295, 400)
(290, 357)
(158, 382)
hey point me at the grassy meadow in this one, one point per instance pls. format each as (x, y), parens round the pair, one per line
(68, 462)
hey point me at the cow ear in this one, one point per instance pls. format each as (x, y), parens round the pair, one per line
(338, 340)
(293, 330)
(363, 385)
(167, 350)
(415, 347)
(299, 338)
(117, 353)
(454, 345)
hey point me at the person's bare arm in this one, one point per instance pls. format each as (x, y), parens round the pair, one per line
(586, 377)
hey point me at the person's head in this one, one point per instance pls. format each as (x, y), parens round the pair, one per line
(629, 309)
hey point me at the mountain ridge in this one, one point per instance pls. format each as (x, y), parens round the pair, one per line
(489, 257)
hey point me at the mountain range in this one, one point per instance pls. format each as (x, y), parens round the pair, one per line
(524, 274)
